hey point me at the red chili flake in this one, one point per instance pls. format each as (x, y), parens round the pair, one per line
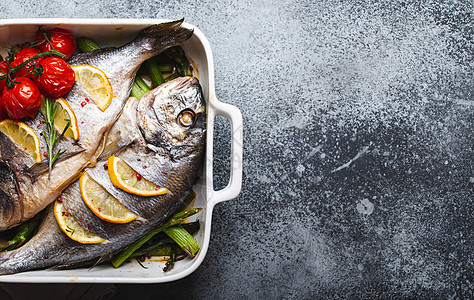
(43, 121)
(139, 177)
(99, 209)
(41, 133)
(38, 126)
(89, 226)
(165, 173)
(142, 258)
(144, 167)
(82, 122)
(157, 188)
(45, 154)
(148, 256)
(106, 166)
(83, 103)
(17, 169)
(25, 149)
(60, 199)
(139, 159)
(45, 257)
(80, 220)
(87, 99)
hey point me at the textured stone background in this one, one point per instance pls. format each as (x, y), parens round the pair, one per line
(358, 167)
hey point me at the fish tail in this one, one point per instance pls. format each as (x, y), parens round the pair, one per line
(159, 37)
(44, 249)
(9, 264)
(5, 267)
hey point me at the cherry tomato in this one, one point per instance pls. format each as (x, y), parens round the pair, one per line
(57, 78)
(3, 70)
(22, 56)
(2, 112)
(23, 100)
(60, 39)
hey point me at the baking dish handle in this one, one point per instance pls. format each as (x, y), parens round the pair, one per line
(234, 116)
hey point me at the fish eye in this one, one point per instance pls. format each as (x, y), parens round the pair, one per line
(186, 118)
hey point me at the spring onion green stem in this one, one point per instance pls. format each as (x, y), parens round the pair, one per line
(164, 250)
(137, 91)
(155, 74)
(181, 60)
(25, 231)
(183, 239)
(166, 68)
(86, 44)
(162, 240)
(118, 260)
(172, 76)
(170, 263)
(139, 81)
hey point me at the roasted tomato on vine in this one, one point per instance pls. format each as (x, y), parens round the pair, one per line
(3, 71)
(2, 112)
(60, 39)
(22, 56)
(57, 77)
(21, 100)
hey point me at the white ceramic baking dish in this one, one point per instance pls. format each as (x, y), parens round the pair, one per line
(197, 48)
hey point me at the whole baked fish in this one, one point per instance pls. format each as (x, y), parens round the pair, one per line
(164, 132)
(25, 187)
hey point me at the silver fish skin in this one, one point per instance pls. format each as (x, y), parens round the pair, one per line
(174, 153)
(33, 189)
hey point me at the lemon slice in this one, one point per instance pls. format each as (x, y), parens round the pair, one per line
(96, 84)
(64, 113)
(102, 204)
(72, 228)
(23, 136)
(125, 178)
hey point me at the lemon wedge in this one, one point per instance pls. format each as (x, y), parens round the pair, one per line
(127, 179)
(23, 136)
(96, 83)
(72, 228)
(102, 204)
(63, 114)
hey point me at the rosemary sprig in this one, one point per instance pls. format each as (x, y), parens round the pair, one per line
(50, 134)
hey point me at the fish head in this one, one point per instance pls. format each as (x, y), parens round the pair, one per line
(14, 165)
(173, 115)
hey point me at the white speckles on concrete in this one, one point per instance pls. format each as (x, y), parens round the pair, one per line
(365, 207)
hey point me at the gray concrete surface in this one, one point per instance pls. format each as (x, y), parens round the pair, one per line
(358, 146)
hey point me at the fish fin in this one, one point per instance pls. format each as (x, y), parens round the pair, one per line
(163, 36)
